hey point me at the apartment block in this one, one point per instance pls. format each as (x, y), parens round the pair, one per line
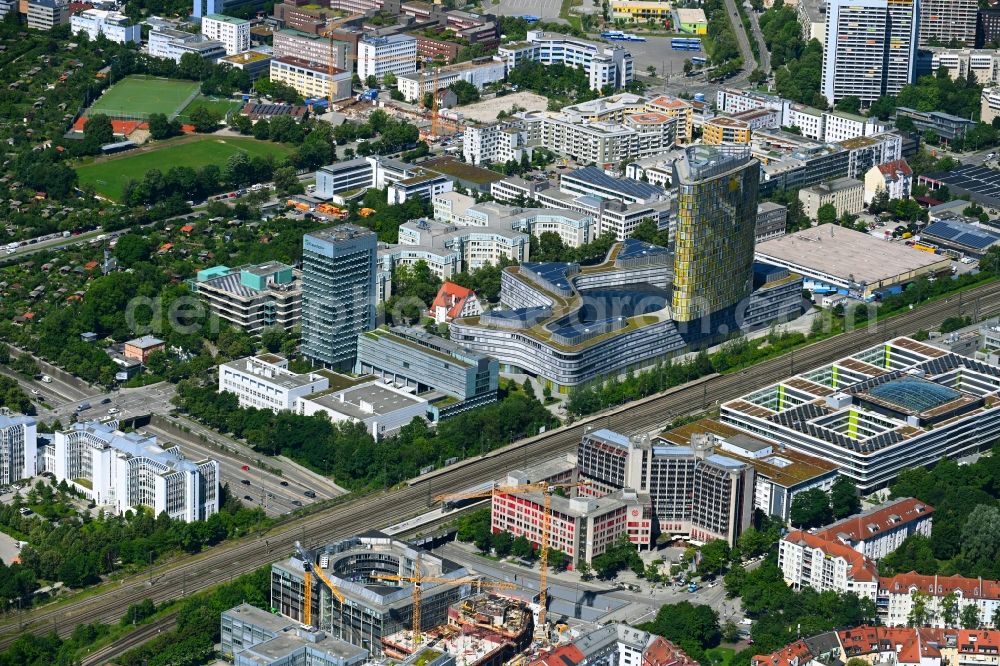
(115, 26)
(265, 382)
(311, 79)
(896, 596)
(253, 298)
(377, 56)
(807, 560)
(494, 143)
(984, 64)
(413, 86)
(725, 130)
(844, 194)
(945, 21)
(47, 14)
(234, 33)
(291, 43)
(18, 448)
(895, 178)
(878, 531)
(128, 471)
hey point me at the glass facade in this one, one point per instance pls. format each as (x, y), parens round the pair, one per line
(338, 293)
(716, 216)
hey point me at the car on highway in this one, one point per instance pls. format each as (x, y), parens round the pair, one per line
(245, 482)
(35, 391)
(113, 411)
(283, 482)
(83, 406)
(296, 503)
(106, 401)
(248, 498)
(309, 493)
(245, 468)
(46, 379)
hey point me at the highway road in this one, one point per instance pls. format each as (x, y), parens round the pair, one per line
(765, 56)
(222, 563)
(742, 40)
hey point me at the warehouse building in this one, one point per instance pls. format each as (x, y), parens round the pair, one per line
(838, 259)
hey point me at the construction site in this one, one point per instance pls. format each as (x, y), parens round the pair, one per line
(482, 630)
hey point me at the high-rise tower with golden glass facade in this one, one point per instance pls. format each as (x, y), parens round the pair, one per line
(716, 214)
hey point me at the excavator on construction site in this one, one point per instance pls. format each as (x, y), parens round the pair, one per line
(547, 490)
(418, 580)
(310, 567)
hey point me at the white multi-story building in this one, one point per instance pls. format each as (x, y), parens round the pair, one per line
(896, 595)
(984, 64)
(311, 79)
(478, 73)
(840, 126)
(130, 471)
(732, 101)
(895, 177)
(605, 64)
(638, 135)
(870, 48)
(878, 531)
(573, 228)
(377, 56)
(942, 21)
(173, 44)
(382, 408)
(234, 33)
(115, 26)
(265, 382)
(807, 560)
(494, 143)
(47, 14)
(18, 448)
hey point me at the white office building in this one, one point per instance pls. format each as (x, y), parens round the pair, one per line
(173, 44)
(382, 408)
(18, 448)
(377, 56)
(494, 143)
(115, 26)
(265, 382)
(129, 471)
(605, 64)
(413, 86)
(234, 33)
(870, 48)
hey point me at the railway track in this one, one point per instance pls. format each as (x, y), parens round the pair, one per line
(129, 641)
(232, 559)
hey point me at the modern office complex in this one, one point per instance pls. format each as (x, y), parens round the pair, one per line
(374, 608)
(173, 44)
(772, 219)
(605, 64)
(569, 324)
(412, 359)
(308, 46)
(234, 33)
(253, 298)
(716, 220)
(130, 471)
(18, 448)
(942, 21)
(414, 85)
(382, 409)
(378, 56)
(891, 407)
(338, 293)
(115, 26)
(573, 228)
(870, 48)
(265, 382)
(692, 490)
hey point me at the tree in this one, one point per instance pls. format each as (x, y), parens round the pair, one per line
(905, 124)
(810, 508)
(844, 499)
(389, 80)
(949, 609)
(714, 557)
(205, 120)
(585, 571)
(757, 77)
(826, 214)
(920, 614)
(25, 365)
(857, 661)
(162, 128)
(996, 618)
(849, 104)
(981, 539)
(131, 249)
(371, 81)
(687, 623)
(522, 548)
(98, 130)
(502, 543)
(465, 92)
(734, 581)
(969, 617)
(241, 123)
(558, 560)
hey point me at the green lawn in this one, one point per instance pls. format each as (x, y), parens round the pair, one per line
(720, 656)
(108, 176)
(222, 106)
(139, 96)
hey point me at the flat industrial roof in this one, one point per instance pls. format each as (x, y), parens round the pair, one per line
(846, 254)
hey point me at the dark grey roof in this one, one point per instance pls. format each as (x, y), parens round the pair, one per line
(597, 177)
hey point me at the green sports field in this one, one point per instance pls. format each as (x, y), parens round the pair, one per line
(108, 176)
(220, 105)
(139, 96)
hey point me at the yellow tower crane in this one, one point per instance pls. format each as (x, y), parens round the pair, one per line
(418, 580)
(546, 489)
(310, 568)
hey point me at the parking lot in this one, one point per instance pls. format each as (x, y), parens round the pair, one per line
(656, 51)
(544, 9)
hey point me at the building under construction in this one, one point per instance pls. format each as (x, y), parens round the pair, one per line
(482, 630)
(371, 608)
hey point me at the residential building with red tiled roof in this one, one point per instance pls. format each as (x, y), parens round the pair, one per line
(978, 647)
(453, 301)
(795, 654)
(895, 597)
(879, 531)
(902, 646)
(809, 560)
(895, 177)
(616, 645)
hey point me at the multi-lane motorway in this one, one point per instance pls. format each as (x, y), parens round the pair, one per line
(222, 563)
